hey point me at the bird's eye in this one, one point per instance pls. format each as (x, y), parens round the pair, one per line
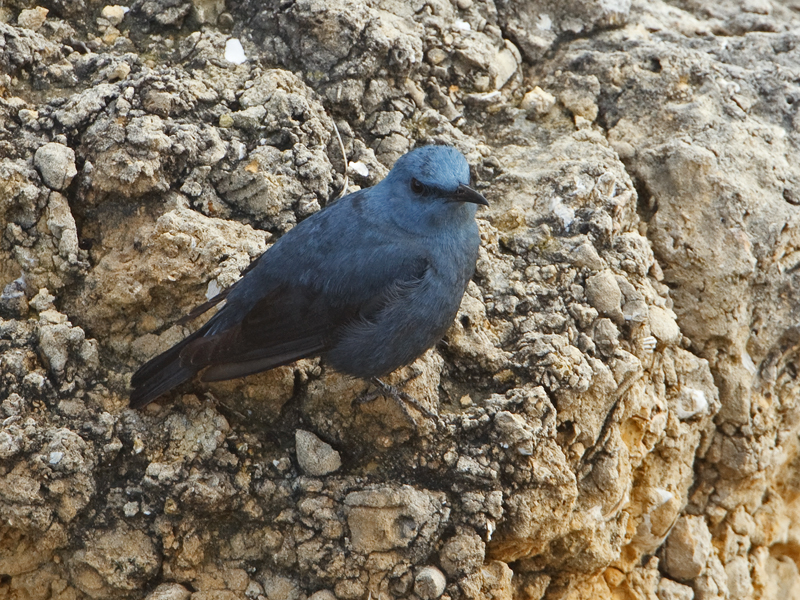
(416, 186)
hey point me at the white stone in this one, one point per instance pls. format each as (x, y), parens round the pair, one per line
(359, 168)
(234, 53)
(32, 18)
(56, 164)
(315, 456)
(537, 101)
(429, 583)
(672, 590)
(603, 293)
(740, 586)
(114, 13)
(213, 289)
(505, 65)
(169, 591)
(562, 211)
(663, 325)
(687, 549)
(690, 403)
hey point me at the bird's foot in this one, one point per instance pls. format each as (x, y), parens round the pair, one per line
(403, 400)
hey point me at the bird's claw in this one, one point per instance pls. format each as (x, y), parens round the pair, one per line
(403, 399)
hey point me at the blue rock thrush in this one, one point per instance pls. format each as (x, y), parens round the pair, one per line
(369, 283)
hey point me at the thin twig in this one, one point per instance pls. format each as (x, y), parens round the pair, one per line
(344, 158)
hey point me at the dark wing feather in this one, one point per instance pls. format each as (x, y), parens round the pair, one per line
(289, 323)
(160, 374)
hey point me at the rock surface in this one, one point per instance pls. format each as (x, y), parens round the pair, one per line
(619, 412)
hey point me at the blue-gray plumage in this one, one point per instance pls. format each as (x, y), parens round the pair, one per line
(369, 283)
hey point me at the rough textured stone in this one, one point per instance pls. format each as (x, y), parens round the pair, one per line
(389, 518)
(315, 456)
(56, 164)
(429, 583)
(672, 590)
(169, 591)
(617, 397)
(687, 548)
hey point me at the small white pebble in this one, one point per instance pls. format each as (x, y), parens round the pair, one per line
(212, 290)
(55, 457)
(130, 509)
(359, 168)
(430, 583)
(486, 97)
(691, 402)
(662, 496)
(114, 13)
(747, 362)
(462, 25)
(526, 448)
(234, 52)
(562, 211)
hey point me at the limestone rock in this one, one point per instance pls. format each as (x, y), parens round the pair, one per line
(315, 456)
(429, 583)
(462, 554)
(32, 18)
(672, 590)
(56, 164)
(688, 548)
(620, 380)
(390, 518)
(169, 591)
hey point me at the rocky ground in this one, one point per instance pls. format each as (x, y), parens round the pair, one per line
(618, 401)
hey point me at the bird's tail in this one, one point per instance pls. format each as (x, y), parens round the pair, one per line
(160, 374)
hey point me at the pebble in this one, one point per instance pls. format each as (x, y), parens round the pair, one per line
(687, 548)
(169, 591)
(429, 583)
(114, 13)
(672, 590)
(537, 102)
(32, 18)
(315, 456)
(359, 168)
(56, 164)
(505, 65)
(603, 293)
(234, 53)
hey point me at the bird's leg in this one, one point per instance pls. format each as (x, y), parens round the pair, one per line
(403, 399)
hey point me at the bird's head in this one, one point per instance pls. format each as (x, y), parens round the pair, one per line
(429, 187)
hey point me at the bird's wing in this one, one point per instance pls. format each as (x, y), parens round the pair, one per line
(290, 322)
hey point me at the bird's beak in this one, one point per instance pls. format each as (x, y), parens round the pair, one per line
(464, 193)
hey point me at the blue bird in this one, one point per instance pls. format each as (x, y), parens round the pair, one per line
(369, 283)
